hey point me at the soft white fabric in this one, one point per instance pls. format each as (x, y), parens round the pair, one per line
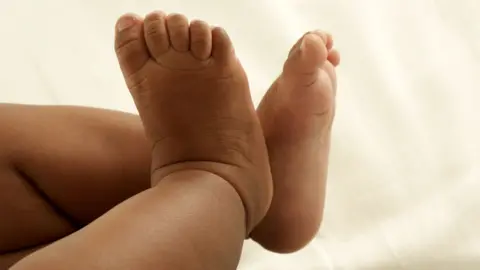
(404, 175)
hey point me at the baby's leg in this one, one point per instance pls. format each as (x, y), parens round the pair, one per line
(52, 156)
(8, 260)
(211, 179)
(191, 220)
(62, 167)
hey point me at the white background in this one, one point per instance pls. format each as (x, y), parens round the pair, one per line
(405, 176)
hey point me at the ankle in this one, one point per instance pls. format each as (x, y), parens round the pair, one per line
(255, 203)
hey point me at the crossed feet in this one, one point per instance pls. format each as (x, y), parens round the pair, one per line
(193, 97)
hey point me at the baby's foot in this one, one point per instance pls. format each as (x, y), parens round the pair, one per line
(296, 115)
(193, 98)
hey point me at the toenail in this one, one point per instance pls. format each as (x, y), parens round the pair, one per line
(313, 38)
(320, 34)
(126, 22)
(303, 43)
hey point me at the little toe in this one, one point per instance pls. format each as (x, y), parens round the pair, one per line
(334, 57)
(177, 27)
(200, 40)
(130, 44)
(156, 35)
(222, 47)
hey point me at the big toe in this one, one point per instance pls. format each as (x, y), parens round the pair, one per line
(309, 54)
(130, 44)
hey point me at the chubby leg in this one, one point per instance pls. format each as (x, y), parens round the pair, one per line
(62, 182)
(191, 220)
(61, 168)
(8, 260)
(211, 178)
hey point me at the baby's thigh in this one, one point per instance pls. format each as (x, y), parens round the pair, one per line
(28, 219)
(9, 259)
(61, 168)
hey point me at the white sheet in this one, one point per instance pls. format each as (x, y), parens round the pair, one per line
(404, 178)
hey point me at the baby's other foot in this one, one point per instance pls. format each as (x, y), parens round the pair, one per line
(296, 115)
(193, 98)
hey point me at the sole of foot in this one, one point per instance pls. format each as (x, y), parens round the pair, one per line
(193, 97)
(296, 116)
